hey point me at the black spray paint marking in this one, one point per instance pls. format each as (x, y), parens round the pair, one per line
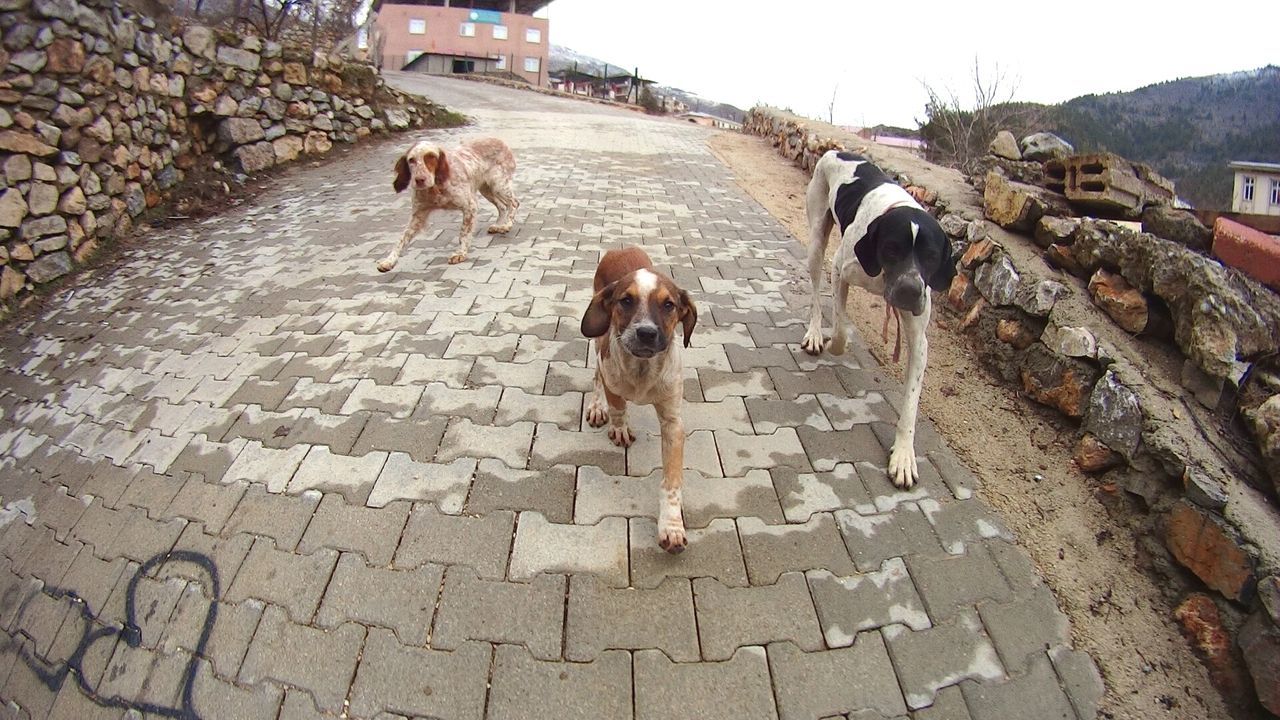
(131, 633)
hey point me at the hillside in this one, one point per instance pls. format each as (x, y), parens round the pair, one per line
(562, 58)
(1188, 129)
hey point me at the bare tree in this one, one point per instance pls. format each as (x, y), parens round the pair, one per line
(959, 136)
(831, 106)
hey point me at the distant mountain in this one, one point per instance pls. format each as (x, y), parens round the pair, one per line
(563, 58)
(1188, 129)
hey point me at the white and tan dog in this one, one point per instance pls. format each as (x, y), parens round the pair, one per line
(450, 182)
(889, 245)
(633, 317)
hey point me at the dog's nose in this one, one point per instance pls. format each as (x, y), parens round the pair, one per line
(647, 334)
(421, 182)
(908, 294)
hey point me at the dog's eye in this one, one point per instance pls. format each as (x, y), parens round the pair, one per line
(627, 301)
(668, 306)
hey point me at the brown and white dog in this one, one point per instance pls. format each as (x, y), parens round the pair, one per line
(633, 317)
(450, 182)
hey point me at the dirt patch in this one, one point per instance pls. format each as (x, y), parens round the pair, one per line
(1022, 453)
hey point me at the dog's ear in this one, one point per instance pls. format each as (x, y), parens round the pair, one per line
(595, 322)
(867, 249)
(402, 174)
(442, 169)
(941, 278)
(688, 315)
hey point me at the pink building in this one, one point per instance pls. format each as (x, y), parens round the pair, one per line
(462, 36)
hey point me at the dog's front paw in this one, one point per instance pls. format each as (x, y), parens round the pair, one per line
(813, 342)
(597, 414)
(456, 258)
(499, 229)
(673, 538)
(902, 466)
(386, 265)
(621, 435)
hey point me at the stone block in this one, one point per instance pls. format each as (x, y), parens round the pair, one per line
(1251, 251)
(729, 618)
(601, 618)
(529, 614)
(1207, 545)
(524, 687)
(831, 682)
(323, 662)
(739, 689)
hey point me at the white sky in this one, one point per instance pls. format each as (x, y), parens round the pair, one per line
(794, 54)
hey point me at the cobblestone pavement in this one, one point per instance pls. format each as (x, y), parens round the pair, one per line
(381, 496)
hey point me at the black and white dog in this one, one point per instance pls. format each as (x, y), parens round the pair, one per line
(889, 245)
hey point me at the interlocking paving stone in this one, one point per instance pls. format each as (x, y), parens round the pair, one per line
(529, 614)
(1080, 679)
(958, 523)
(373, 534)
(1037, 688)
(283, 519)
(738, 689)
(803, 494)
(322, 662)
(729, 618)
(713, 551)
(294, 582)
(645, 455)
(602, 618)
(553, 446)
(517, 405)
(950, 583)
(542, 546)
(525, 687)
(718, 384)
(928, 660)
(353, 477)
(1025, 627)
(418, 438)
(270, 467)
(826, 449)
(767, 415)
(483, 543)
(404, 600)
(704, 498)
(874, 538)
(498, 487)
(402, 478)
(208, 503)
(827, 682)
(235, 624)
(510, 443)
(771, 550)
(417, 682)
(740, 453)
(849, 605)
(948, 704)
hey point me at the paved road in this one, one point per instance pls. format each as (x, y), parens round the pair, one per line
(380, 495)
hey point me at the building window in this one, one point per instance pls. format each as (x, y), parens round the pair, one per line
(533, 35)
(417, 26)
(532, 64)
(499, 62)
(411, 55)
(499, 32)
(1275, 192)
(467, 30)
(1248, 188)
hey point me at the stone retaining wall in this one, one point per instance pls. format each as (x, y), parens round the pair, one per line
(1154, 409)
(102, 114)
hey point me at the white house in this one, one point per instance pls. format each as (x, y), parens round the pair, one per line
(1257, 188)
